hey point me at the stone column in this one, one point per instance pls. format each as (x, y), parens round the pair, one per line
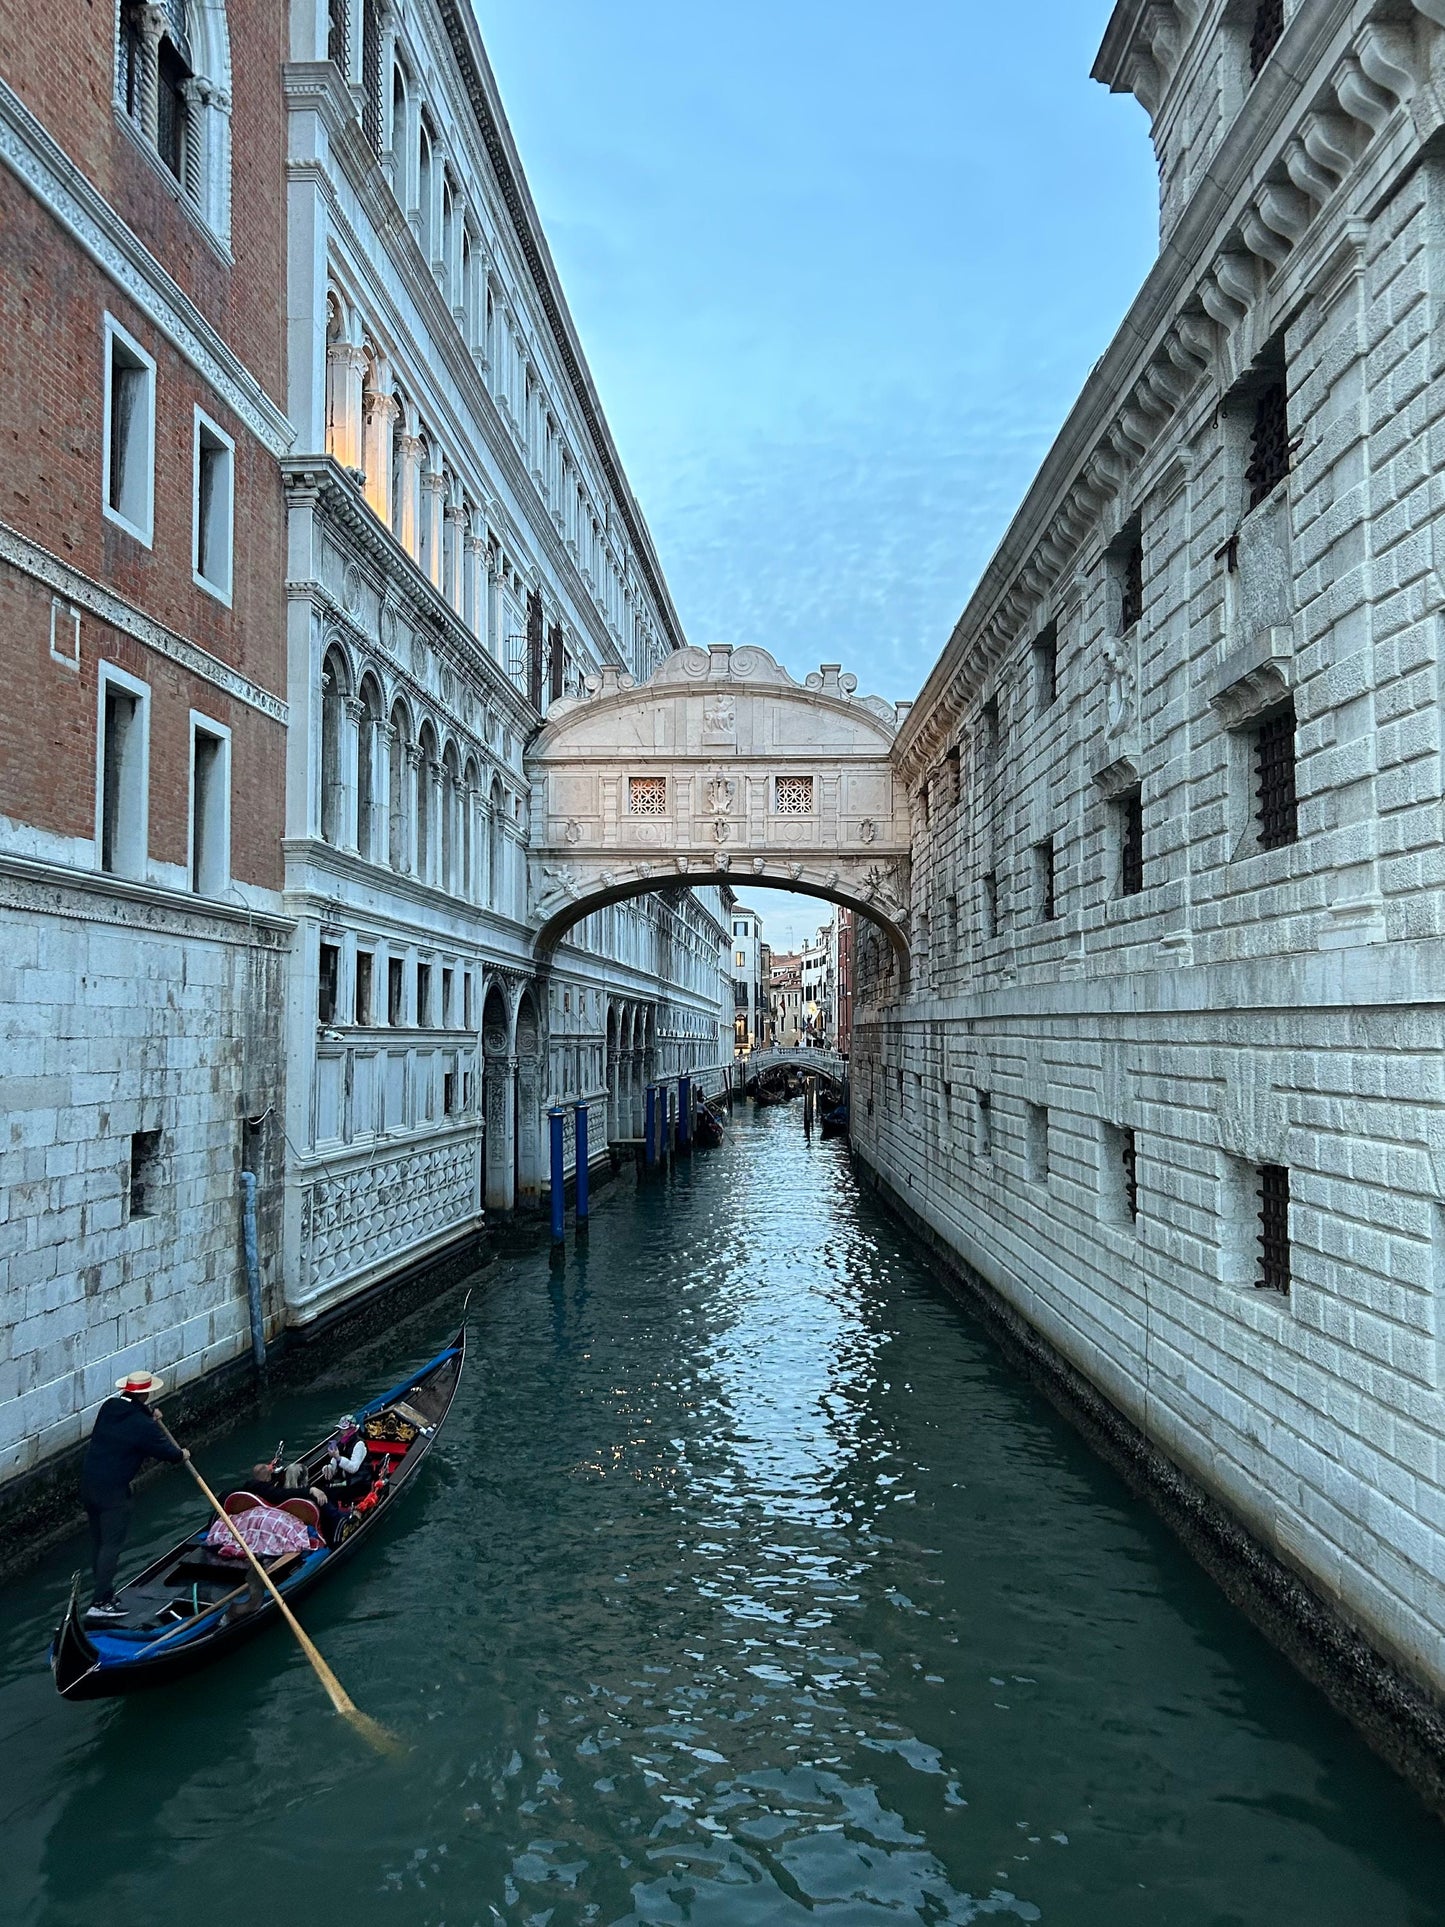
(456, 536)
(474, 593)
(433, 502)
(500, 1098)
(385, 749)
(353, 716)
(435, 839)
(381, 414)
(496, 641)
(345, 371)
(152, 21)
(408, 510)
(416, 792)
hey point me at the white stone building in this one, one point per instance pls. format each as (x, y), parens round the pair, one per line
(1168, 1070)
(749, 979)
(464, 550)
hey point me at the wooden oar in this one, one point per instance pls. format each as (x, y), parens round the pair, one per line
(370, 1729)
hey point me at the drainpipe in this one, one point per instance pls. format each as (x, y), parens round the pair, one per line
(253, 1269)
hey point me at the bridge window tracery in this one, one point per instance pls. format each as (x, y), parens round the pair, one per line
(647, 796)
(794, 796)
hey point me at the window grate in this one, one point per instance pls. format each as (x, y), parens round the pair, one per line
(1044, 873)
(1268, 26)
(1131, 586)
(1129, 1161)
(1274, 771)
(1269, 443)
(990, 903)
(1046, 667)
(1131, 844)
(534, 650)
(1274, 1253)
(371, 74)
(647, 796)
(795, 796)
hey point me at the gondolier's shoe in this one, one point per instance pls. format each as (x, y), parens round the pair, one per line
(105, 1609)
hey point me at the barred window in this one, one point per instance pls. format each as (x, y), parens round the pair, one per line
(1276, 805)
(1268, 26)
(1131, 584)
(1131, 842)
(989, 881)
(1045, 904)
(1269, 449)
(1046, 667)
(1274, 1252)
(1128, 1152)
(794, 796)
(647, 796)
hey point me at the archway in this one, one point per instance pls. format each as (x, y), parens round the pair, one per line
(499, 1097)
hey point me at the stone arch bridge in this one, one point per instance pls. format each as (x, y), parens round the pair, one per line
(721, 768)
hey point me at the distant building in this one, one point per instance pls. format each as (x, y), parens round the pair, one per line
(842, 1038)
(815, 974)
(786, 997)
(750, 984)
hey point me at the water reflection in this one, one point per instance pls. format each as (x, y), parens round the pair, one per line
(746, 1585)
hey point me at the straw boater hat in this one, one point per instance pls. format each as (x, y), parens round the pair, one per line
(140, 1385)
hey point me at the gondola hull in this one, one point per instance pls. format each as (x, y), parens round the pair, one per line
(99, 1664)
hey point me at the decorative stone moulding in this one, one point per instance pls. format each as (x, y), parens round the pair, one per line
(1117, 777)
(1254, 679)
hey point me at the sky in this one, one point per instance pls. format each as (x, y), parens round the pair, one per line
(838, 284)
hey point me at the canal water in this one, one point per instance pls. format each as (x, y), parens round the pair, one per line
(746, 1586)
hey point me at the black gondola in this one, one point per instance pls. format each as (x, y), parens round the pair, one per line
(191, 1605)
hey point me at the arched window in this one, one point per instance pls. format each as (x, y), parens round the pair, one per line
(496, 812)
(173, 82)
(423, 188)
(399, 810)
(467, 885)
(335, 688)
(425, 838)
(448, 877)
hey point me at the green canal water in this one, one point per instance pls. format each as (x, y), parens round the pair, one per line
(747, 1585)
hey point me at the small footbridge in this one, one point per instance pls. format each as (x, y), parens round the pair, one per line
(721, 768)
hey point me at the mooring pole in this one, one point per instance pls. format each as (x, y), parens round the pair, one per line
(556, 1116)
(649, 1137)
(684, 1113)
(582, 1199)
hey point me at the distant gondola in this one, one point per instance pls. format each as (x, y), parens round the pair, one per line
(835, 1122)
(191, 1605)
(708, 1130)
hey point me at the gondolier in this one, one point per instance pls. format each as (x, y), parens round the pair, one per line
(124, 1436)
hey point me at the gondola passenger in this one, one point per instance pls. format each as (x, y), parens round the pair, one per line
(125, 1434)
(347, 1475)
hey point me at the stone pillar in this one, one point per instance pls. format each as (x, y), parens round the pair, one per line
(415, 789)
(408, 510)
(496, 641)
(345, 371)
(152, 21)
(433, 503)
(474, 594)
(432, 778)
(381, 413)
(353, 716)
(456, 524)
(500, 1098)
(436, 222)
(530, 1100)
(381, 833)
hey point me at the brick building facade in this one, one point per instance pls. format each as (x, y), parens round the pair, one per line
(142, 757)
(1167, 1074)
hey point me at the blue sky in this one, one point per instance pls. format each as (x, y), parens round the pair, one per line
(838, 286)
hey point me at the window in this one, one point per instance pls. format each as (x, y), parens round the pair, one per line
(361, 1004)
(1269, 444)
(954, 760)
(989, 733)
(213, 507)
(448, 995)
(1129, 821)
(983, 1123)
(647, 796)
(144, 1175)
(123, 775)
(990, 903)
(1268, 26)
(1046, 667)
(740, 957)
(1045, 907)
(449, 1092)
(793, 795)
(395, 992)
(1274, 1249)
(210, 808)
(1276, 807)
(423, 994)
(328, 972)
(469, 1018)
(1120, 1187)
(129, 433)
(1036, 1143)
(1128, 562)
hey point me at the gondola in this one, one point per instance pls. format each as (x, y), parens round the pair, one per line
(192, 1605)
(708, 1129)
(835, 1122)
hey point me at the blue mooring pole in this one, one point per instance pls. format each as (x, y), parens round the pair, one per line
(582, 1201)
(684, 1113)
(649, 1140)
(556, 1117)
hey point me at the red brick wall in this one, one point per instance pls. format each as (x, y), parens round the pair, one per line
(53, 300)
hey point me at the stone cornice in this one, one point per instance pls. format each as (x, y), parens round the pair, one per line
(1224, 265)
(29, 150)
(96, 896)
(65, 580)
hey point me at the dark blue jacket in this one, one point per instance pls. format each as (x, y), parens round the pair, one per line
(125, 1436)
